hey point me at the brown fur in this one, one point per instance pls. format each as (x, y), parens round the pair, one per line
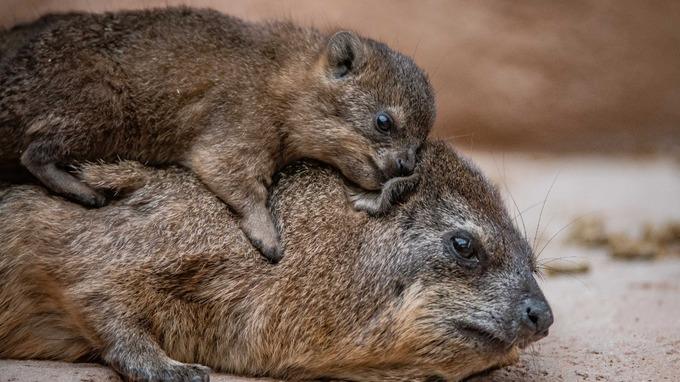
(163, 275)
(231, 100)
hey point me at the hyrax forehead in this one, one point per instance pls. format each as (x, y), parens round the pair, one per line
(371, 79)
(460, 200)
(395, 81)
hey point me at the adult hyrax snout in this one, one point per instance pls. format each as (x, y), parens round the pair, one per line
(233, 101)
(162, 279)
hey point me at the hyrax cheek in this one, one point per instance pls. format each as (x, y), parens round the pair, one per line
(363, 174)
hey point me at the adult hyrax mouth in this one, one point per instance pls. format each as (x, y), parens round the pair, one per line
(497, 340)
(488, 338)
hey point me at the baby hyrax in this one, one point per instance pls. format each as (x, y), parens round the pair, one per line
(233, 101)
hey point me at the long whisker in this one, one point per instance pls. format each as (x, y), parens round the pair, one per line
(452, 137)
(540, 215)
(521, 216)
(561, 258)
(415, 50)
(542, 267)
(505, 184)
(560, 231)
(514, 218)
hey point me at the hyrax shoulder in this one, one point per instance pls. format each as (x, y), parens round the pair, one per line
(233, 101)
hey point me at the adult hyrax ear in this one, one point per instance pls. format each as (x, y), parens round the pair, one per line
(344, 54)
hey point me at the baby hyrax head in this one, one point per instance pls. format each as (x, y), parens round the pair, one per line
(371, 109)
(474, 271)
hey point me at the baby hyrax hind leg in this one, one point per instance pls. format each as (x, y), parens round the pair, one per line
(393, 191)
(41, 161)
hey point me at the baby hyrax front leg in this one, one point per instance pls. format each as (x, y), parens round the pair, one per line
(394, 191)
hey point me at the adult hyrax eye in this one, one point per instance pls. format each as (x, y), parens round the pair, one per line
(463, 247)
(383, 122)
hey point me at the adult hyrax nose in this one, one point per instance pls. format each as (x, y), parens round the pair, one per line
(536, 316)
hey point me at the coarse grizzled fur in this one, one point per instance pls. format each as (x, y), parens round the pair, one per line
(161, 280)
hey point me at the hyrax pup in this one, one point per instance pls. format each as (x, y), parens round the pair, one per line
(231, 100)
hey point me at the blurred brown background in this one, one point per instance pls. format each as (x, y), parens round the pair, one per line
(584, 75)
(591, 80)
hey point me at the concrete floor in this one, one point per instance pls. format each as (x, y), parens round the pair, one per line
(618, 322)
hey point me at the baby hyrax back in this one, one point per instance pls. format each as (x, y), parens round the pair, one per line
(231, 100)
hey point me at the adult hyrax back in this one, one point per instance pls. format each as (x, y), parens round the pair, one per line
(156, 282)
(231, 100)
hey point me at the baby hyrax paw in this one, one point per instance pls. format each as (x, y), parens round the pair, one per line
(393, 191)
(260, 230)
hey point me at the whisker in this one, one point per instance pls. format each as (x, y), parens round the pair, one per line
(415, 50)
(514, 218)
(540, 215)
(570, 276)
(505, 184)
(452, 137)
(560, 231)
(521, 216)
(561, 258)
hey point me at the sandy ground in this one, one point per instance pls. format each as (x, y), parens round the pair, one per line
(618, 322)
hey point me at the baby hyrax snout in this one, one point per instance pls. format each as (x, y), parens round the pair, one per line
(400, 161)
(396, 176)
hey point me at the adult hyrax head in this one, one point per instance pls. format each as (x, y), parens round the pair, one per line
(446, 278)
(366, 108)
(467, 253)
(441, 286)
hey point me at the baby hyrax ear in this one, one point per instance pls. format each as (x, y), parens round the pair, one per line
(345, 53)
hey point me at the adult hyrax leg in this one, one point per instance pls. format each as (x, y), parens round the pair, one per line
(135, 355)
(41, 160)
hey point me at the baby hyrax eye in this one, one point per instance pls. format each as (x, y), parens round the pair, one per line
(463, 247)
(383, 122)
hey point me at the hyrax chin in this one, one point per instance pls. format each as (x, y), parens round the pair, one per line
(231, 100)
(162, 279)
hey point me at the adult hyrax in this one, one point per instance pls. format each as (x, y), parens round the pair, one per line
(157, 282)
(231, 100)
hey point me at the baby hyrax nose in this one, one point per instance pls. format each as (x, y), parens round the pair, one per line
(405, 162)
(536, 316)
(404, 166)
